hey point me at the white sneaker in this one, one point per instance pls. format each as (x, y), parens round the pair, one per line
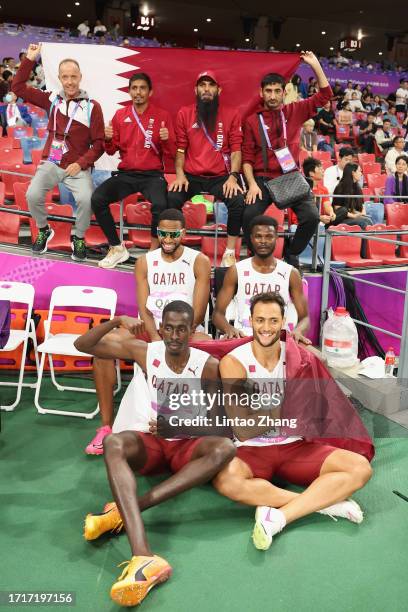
(268, 522)
(116, 255)
(348, 509)
(228, 259)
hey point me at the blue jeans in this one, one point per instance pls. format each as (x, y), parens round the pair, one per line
(28, 144)
(375, 210)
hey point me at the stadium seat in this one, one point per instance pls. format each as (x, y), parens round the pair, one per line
(404, 249)
(36, 156)
(195, 216)
(20, 198)
(10, 179)
(384, 250)
(139, 214)
(322, 155)
(10, 156)
(62, 231)
(370, 168)
(302, 156)
(133, 198)
(6, 142)
(347, 249)
(396, 214)
(20, 132)
(9, 227)
(366, 158)
(343, 133)
(376, 180)
(276, 213)
(215, 250)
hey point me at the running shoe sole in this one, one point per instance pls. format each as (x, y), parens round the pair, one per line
(260, 538)
(133, 594)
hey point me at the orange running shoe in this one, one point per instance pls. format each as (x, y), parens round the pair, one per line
(139, 576)
(108, 520)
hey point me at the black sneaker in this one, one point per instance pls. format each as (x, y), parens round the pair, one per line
(44, 236)
(78, 249)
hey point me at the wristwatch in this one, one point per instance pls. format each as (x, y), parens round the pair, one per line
(235, 175)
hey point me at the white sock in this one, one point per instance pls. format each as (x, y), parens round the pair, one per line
(272, 519)
(229, 251)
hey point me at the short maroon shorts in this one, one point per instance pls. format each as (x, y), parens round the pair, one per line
(164, 455)
(297, 462)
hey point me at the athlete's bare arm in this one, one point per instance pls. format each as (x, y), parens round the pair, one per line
(202, 273)
(142, 293)
(224, 298)
(300, 303)
(100, 343)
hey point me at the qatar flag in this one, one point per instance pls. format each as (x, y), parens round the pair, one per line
(106, 71)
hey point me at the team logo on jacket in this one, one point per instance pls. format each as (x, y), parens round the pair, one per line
(195, 126)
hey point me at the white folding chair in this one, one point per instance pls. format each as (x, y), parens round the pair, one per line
(19, 293)
(63, 343)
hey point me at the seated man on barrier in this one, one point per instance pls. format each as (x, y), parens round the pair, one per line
(193, 461)
(298, 435)
(171, 272)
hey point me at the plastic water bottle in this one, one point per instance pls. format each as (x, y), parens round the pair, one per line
(389, 362)
(340, 339)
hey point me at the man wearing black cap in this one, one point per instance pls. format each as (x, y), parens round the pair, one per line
(208, 157)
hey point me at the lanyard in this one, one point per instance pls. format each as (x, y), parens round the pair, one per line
(70, 119)
(265, 131)
(145, 134)
(217, 148)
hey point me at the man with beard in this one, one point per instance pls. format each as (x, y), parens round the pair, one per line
(169, 365)
(330, 473)
(171, 272)
(271, 148)
(143, 134)
(208, 158)
(260, 274)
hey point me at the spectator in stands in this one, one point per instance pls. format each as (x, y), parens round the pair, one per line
(338, 93)
(313, 88)
(391, 115)
(308, 137)
(21, 56)
(355, 103)
(74, 143)
(333, 174)
(349, 90)
(99, 29)
(5, 83)
(350, 209)
(291, 93)
(397, 183)
(269, 118)
(398, 145)
(14, 114)
(313, 171)
(143, 134)
(209, 156)
(401, 96)
(367, 129)
(345, 116)
(341, 61)
(383, 136)
(84, 28)
(357, 91)
(368, 103)
(378, 117)
(380, 103)
(326, 120)
(115, 31)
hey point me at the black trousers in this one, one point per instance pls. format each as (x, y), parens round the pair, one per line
(122, 183)
(306, 212)
(212, 186)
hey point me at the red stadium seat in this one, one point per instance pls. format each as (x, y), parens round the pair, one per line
(366, 158)
(343, 133)
(195, 216)
(9, 227)
(133, 198)
(94, 235)
(347, 249)
(384, 250)
(404, 249)
(208, 244)
(20, 132)
(62, 237)
(276, 213)
(322, 155)
(11, 156)
(396, 214)
(20, 198)
(36, 156)
(140, 214)
(302, 156)
(376, 180)
(10, 179)
(371, 168)
(6, 143)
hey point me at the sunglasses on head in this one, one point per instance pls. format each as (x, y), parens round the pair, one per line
(172, 235)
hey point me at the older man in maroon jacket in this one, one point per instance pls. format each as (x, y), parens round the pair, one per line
(75, 142)
(279, 125)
